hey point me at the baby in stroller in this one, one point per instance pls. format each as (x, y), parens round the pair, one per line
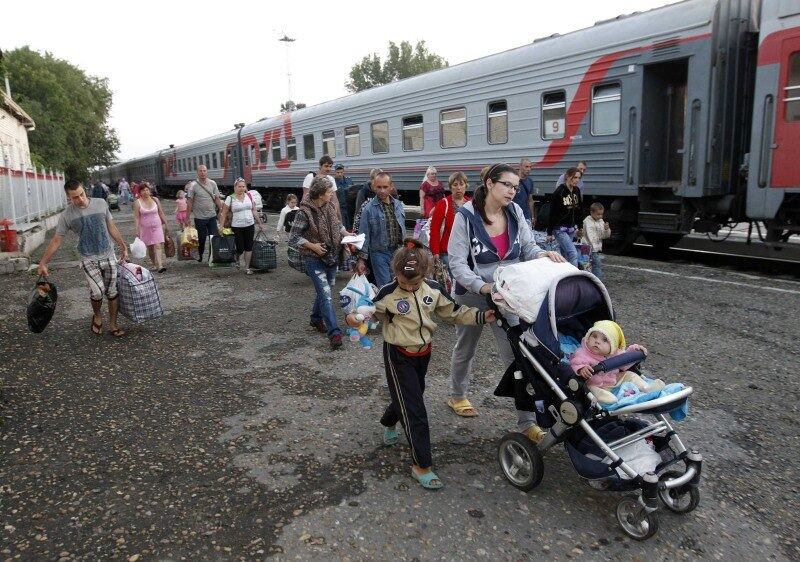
(605, 339)
(541, 305)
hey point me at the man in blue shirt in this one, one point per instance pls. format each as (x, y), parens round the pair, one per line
(343, 184)
(525, 191)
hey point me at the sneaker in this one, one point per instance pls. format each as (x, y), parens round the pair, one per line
(318, 326)
(336, 341)
(535, 433)
(248, 271)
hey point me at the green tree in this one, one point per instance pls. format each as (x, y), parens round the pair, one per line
(403, 61)
(291, 106)
(70, 109)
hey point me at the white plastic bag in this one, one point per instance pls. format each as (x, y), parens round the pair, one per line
(138, 249)
(358, 292)
(521, 287)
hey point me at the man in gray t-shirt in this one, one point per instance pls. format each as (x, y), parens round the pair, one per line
(204, 201)
(91, 220)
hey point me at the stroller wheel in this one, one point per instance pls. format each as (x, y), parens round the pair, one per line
(520, 461)
(635, 520)
(679, 500)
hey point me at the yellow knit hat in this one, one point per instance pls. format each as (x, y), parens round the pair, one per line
(612, 331)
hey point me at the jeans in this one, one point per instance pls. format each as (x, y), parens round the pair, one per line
(323, 276)
(205, 228)
(597, 265)
(381, 267)
(341, 195)
(567, 246)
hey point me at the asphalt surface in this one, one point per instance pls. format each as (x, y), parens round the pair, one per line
(227, 430)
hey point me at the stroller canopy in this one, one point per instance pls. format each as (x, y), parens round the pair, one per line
(556, 298)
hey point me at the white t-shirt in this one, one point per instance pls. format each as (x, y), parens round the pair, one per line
(310, 177)
(242, 211)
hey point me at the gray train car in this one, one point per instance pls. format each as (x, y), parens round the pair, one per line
(659, 104)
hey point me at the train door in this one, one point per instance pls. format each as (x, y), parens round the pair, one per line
(663, 122)
(785, 170)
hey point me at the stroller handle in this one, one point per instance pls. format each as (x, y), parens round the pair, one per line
(493, 306)
(627, 358)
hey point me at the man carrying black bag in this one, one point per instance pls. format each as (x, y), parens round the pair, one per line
(91, 219)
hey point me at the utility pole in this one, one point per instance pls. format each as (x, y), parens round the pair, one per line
(288, 41)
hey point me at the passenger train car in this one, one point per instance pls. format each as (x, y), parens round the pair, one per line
(688, 116)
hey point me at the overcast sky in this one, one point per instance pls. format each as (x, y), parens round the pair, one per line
(183, 71)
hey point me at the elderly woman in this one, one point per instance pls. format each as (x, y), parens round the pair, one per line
(150, 222)
(243, 220)
(317, 232)
(488, 232)
(430, 192)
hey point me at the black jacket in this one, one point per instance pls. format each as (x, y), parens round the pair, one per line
(566, 208)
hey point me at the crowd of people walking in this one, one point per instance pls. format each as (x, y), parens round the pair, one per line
(463, 237)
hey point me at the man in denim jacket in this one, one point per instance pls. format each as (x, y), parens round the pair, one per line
(383, 222)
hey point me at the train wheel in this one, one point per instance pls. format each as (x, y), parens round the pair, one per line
(623, 235)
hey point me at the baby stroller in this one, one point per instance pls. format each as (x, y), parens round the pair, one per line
(113, 202)
(569, 302)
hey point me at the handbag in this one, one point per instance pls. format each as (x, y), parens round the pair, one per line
(265, 254)
(42, 305)
(169, 246)
(223, 251)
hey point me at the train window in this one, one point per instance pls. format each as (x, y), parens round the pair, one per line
(554, 113)
(291, 149)
(352, 141)
(194, 162)
(214, 160)
(208, 162)
(792, 89)
(380, 137)
(497, 123)
(453, 128)
(328, 143)
(413, 138)
(222, 159)
(308, 147)
(247, 155)
(262, 152)
(276, 150)
(605, 109)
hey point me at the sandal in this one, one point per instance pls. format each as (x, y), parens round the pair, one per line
(429, 480)
(462, 407)
(390, 436)
(117, 332)
(97, 328)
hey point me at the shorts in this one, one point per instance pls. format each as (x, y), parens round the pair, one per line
(244, 238)
(101, 275)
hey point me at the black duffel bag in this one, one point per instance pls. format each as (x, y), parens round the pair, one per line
(265, 253)
(42, 305)
(223, 250)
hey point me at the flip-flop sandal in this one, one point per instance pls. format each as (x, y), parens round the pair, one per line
(462, 408)
(390, 436)
(118, 333)
(97, 329)
(429, 480)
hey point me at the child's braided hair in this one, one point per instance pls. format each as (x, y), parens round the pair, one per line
(411, 260)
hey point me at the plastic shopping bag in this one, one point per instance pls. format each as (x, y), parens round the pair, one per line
(138, 249)
(42, 305)
(189, 237)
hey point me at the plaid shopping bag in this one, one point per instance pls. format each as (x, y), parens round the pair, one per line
(138, 295)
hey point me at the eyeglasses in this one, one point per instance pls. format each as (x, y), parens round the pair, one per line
(509, 185)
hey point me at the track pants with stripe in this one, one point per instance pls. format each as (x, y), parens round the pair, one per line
(406, 377)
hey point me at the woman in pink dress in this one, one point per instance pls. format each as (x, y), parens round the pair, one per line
(430, 192)
(150, 223)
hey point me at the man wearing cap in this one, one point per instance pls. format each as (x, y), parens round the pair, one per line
(343, 185)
